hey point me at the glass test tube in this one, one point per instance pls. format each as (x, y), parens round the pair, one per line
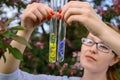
(61, 35)
(53, 34)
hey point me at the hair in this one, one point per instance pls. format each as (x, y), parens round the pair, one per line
(113, 71)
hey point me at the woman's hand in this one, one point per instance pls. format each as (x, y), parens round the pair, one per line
(81, 12)
(35, 14)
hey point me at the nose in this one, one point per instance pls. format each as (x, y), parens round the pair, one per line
(93, 49)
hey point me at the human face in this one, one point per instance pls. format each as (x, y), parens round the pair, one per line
(93, 59)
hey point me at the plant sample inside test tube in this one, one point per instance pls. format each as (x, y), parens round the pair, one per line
(57, 34)
(61, 35)
(52, 49)
(53, 35)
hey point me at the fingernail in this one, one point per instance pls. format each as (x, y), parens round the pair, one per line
(49, 17)
(60, 10)
(66, 22)
(60, 17)
(43, 19)
(52, 12)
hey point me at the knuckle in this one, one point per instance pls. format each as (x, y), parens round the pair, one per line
(87, 13)
(71, 1)
(87, 4)
(34, 3)
(69, 10)
(29, 5)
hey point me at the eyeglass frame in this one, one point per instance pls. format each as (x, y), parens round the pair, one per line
(97, 46)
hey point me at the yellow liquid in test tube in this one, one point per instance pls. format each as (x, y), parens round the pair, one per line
(52, 50)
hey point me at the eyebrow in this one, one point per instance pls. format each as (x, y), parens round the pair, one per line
(90, 37)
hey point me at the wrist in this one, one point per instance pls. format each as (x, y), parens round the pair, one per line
(98, 28)
(29, 26)
(25, 34)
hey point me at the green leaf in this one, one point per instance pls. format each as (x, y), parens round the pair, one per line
(7, 34)
(17, 38)
(15, 52)
(0, 0)
(8, 22)
(1, 44)
(1, 37)
(4, 58)
(21, 40)
(18, 28)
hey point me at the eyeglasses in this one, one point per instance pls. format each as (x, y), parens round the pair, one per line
(100, 46)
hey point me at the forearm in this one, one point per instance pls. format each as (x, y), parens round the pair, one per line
(108, 35)
(112, 39)
(12, 63)
(32, 16)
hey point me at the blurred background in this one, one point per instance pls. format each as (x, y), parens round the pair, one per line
(36, 59)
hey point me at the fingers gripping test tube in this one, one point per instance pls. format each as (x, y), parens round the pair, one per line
(53, 34)
(61, 35)
(56, 51)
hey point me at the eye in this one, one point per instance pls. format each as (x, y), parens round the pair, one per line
(87, 41)
(103, 47)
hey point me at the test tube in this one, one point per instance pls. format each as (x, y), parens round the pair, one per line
(53, 34)
(61, 35)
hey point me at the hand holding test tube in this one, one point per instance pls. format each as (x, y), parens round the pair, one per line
(57, 34)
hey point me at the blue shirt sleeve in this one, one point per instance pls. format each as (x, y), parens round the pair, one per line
(21, 75)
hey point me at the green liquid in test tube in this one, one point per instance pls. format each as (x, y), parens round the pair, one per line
(53, 35)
